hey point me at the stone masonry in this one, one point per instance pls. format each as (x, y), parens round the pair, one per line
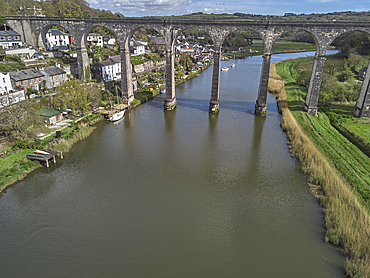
(33, 31)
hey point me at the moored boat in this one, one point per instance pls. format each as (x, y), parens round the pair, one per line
(117, 116)
(225, 69)
(233, 64)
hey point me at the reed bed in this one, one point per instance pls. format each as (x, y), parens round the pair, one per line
(346, 220)
(65, 145)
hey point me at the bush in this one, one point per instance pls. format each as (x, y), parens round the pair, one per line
(345, 75)
(20, 144)
(304, 77)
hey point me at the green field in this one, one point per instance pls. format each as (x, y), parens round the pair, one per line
(362, 130)
(331, 162)
(351, 162)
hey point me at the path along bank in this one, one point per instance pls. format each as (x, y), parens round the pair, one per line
(347, 221)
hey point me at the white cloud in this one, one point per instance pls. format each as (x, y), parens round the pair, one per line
(144, 6)
(214, 11)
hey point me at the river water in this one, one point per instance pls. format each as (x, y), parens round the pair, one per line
(173, 194)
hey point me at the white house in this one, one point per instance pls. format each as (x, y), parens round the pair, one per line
(10, 39)
(5, 83)
(56, 39)
(109, 41)
(109, 69)
(7, 94)
(95, 39)
(136, 47)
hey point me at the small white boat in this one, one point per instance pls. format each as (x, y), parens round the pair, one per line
(233, 64)
(117, 116)
(225, 69)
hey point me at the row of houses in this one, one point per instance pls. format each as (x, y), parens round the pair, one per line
(14, 84)
(34, 78)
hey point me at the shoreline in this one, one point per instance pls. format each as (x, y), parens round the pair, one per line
(64, 145)
(346, 221)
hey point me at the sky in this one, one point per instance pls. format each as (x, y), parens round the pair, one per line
(139, 8)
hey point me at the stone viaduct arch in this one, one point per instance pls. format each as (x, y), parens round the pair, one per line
(33, 28)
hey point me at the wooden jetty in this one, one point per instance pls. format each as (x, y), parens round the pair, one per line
(51, 156)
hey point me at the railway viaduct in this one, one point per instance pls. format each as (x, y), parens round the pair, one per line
(33, 31)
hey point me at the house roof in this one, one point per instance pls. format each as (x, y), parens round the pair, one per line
(4, 33)
(157, 40)
(46, 112)
(54, 71)
(116, 59)
(25, 74)
(104, 63)
(56, 32)
(94, 35)
(363, 69)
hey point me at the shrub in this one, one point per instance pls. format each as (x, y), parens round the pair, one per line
(345, 75)
(20, 144)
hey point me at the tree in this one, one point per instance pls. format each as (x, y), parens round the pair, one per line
(355, 60)
(69, 9)
(16, 118)
(345, 75)
(71, 96)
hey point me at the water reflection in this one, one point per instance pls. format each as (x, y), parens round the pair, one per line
(253, 167)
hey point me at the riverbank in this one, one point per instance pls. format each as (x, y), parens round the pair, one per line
(16, 166)
(346, 220)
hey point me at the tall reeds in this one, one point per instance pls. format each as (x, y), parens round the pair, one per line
(65, 144)
(346, 221)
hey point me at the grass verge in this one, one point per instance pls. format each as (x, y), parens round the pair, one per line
(346, 220)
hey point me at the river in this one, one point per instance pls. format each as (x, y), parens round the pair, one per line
(177, 193)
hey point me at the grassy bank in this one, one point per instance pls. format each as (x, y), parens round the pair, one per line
(347, 220)
(15, 166)
(64, 145)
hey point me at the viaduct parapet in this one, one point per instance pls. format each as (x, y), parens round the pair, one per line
(33, 31)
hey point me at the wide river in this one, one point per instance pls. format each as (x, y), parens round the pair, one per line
(173, 194)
